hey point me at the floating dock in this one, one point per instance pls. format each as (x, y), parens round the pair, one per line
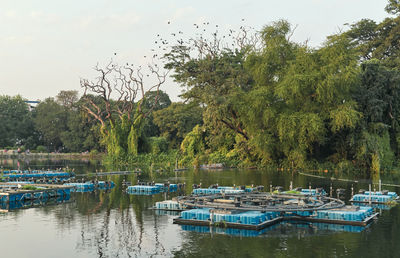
(91, 186)
(252, 220)
(383, 197)
(26, 204)
(14, 175)
(223, 189)
(151, 189)
(169, 205)
(256, 220)
(16, 192)
(348, 215)
(257, 210)
(314, 192)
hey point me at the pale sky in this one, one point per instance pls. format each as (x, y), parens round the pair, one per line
(48, 45)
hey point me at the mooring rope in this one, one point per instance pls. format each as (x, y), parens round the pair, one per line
(107, 173)
(344, 180)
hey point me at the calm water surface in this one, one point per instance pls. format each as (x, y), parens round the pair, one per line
(114, 224)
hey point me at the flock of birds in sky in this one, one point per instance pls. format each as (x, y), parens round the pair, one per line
(204, 31)
(163, 44)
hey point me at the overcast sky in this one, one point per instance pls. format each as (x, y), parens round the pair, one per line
(48, 45)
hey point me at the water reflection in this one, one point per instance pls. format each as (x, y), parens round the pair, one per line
(283, 229)
(26, 204)
(115, 224)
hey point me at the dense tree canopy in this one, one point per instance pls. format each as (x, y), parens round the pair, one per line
(16, 126)
(175, 121)
(51, 122)
(251, 99)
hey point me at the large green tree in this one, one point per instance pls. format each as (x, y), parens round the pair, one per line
(378, 97)
(283, 100)
(51, 122)
(301, 97)
(16, 127)
(379, 40)
(213, 76)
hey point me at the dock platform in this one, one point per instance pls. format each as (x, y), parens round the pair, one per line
(12, 193)
(228, 224)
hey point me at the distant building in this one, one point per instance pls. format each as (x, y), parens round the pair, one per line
(32, 103)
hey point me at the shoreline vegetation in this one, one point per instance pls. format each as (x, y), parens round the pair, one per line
(169, 162)
(42, 155)
(250, 99)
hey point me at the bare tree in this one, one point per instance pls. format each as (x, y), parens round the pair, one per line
(122, 91)
(122, 85)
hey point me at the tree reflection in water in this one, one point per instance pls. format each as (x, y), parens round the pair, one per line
(114, 224)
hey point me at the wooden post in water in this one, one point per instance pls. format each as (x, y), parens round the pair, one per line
(352, 191)
(370, 194)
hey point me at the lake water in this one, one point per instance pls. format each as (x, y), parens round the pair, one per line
(115, 224)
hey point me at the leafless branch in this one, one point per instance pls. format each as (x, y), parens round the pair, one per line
(119, 87)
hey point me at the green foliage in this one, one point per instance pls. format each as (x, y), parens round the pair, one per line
(393, 7)
(291, 103)
(29, 187)
(41, 149)
(134, 134)
(145, 161)
(277, 102)
(16, 126)
(67, 98)
(178, 119)
(193, 145)
(158, 145)
(154, 101)
(51, 122)
(374, 151)
(379, 41)
(345, 116)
